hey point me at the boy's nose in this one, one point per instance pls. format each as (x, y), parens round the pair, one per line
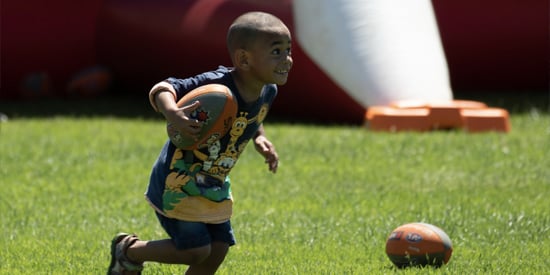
(289, 60)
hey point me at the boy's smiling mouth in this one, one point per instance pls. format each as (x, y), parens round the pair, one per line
(282, 71)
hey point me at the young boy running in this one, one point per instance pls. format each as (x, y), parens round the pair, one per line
(196, 212)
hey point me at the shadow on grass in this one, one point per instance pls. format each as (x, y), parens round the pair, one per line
(514, 102)
(127, 107)
(122, 106)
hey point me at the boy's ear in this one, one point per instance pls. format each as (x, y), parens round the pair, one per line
(241, 59)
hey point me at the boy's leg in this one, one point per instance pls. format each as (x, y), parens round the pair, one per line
(201, 260)
(190, 243)
(201, 246)
(165, 251)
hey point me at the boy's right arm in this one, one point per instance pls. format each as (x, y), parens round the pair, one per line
(163, 100)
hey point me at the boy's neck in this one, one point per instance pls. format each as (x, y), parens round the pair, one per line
(249, 89)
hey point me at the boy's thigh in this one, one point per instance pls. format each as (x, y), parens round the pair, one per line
(186, 235)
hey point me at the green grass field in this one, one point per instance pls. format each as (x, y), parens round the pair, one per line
(68, 184)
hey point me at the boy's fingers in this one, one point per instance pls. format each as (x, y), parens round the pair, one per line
(192, 107)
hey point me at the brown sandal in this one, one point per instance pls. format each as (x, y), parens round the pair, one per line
(120, 264)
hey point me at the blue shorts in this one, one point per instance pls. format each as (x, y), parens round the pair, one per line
(186, 235)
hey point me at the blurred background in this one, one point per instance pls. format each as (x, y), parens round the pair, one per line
(73, 53)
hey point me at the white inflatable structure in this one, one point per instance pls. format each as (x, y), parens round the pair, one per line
(378, 51)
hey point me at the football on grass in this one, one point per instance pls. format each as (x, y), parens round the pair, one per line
(217, 111)
(418, 244)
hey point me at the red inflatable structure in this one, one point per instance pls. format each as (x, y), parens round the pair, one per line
(59, 48)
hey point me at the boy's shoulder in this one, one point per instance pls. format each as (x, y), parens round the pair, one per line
(217, 74)
(222, 75)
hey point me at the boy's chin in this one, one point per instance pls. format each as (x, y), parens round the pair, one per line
(280, 81)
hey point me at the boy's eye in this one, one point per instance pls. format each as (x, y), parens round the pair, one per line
(288, 51)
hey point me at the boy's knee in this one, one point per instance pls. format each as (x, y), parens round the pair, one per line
(195, 255)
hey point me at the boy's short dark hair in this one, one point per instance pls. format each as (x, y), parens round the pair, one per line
(247, 27)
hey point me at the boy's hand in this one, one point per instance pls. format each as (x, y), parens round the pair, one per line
(180, 118)
(266, 149)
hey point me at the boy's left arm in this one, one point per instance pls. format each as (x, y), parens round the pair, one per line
(266, 149)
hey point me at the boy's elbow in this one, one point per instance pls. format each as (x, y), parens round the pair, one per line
(159, 88)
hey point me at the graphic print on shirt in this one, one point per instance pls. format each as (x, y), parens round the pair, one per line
(184, 178)
(213, 150)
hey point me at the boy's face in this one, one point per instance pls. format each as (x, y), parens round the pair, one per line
(270, 57)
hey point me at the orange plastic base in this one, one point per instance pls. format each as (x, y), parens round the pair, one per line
(489, 119)
(471, 116)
